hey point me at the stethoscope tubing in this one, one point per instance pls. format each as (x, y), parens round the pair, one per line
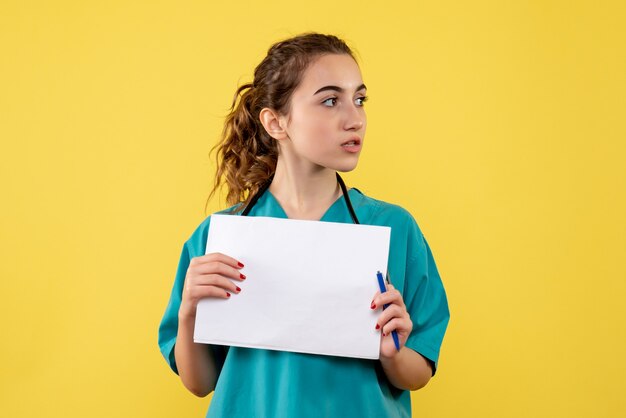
(268, 182)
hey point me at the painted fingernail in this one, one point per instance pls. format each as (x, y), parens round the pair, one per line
(384, 335)
(227, 294)
(373, 305)
(377, 326)
(238, 289)
(239, 264)
(242, 276)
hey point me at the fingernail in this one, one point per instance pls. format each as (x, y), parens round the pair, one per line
(373, 305)
(238, 289)
(227, 294)
(239, 264)
(384, 335)
(242, 276)
(377, 326)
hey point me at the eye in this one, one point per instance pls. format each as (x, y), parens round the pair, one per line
(330, 98)
(362, 99)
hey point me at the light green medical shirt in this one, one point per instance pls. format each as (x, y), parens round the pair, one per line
(276, 384)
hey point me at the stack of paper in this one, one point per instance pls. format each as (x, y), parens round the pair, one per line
(308, 289)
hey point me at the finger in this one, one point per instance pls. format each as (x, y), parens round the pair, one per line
(207, 258)
(196, 293)
(373, 304)
(213, 280)
(217, 267)
(393, 311)
(391, 296)
(398, 325)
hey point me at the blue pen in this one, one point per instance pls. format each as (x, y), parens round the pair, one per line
(383, 289)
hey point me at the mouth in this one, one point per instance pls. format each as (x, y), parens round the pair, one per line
(352, 142)
(353, 145)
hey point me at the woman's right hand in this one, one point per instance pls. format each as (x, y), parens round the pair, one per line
(209, 276)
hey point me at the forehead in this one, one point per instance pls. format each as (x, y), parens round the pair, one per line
(331, 70)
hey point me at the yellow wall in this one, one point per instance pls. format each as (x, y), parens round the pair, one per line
(499, 125)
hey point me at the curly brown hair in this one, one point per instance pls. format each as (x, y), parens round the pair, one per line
(246, 154)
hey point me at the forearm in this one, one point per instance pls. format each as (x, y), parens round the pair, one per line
(195, 363)
(407, 370)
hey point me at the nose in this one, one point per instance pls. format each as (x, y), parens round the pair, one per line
(355, 118)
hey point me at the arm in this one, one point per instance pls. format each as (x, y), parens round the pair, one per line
(210, 275)
(405, 369)
(195, 363)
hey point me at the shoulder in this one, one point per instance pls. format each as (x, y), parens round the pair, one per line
(407, 239)
(196, 244)
(379, 212)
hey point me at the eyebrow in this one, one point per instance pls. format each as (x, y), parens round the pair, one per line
(339, 89)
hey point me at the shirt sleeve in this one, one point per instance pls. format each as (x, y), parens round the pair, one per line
(425, 299)
(168, 329)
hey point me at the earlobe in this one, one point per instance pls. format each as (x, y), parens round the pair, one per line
(271, 122)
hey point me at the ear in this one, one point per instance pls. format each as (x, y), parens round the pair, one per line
(273, 124)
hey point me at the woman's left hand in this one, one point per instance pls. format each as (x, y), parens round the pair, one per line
(394, 318)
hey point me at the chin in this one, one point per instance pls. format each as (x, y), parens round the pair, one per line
(345, 167)
(342, 164)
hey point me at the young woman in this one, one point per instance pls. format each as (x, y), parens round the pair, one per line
(289, 133)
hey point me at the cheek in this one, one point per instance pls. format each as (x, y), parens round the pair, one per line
(322, 131)
(325, 123)
(315, 127)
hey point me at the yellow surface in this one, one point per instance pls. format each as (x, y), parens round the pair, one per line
(499, 125)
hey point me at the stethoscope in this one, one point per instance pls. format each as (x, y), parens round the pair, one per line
(267, 183)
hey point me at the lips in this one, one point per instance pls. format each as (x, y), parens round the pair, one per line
(353, 145)
(354, 141)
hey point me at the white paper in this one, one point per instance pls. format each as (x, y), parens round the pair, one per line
(308, 289)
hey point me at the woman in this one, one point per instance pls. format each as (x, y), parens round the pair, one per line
(288, 134)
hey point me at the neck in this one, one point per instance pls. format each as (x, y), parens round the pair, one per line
(304, 194)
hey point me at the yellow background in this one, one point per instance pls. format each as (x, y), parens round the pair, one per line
(499, 125)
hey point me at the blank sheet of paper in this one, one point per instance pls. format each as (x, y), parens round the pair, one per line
(308, 289)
